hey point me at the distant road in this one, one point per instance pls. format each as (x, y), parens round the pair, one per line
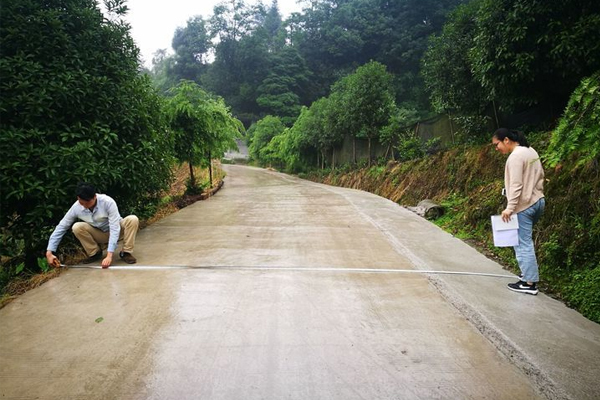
(241, 154)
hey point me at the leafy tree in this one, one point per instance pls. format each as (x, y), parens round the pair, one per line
(231, 20)
(447, 68)
(73, 107)
(408, 25)
(203, 126)
(191, 45)
(368, 101)
(298, 148)
(337, 36)
(162, 73)
(316, 127)
(264, 130)
(578, 132)
(274, 152)
(241, 57)
(526, 51)
(279, 93)
(400, 121)
(274, 29)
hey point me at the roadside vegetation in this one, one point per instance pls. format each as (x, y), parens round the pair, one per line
(75, 107)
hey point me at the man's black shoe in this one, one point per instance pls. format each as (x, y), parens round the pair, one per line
(127, 257)
(94, 258)
(523, 287)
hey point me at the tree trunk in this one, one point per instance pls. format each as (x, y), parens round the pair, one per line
(451, 127)
(354, 150)
(332, 158)
(369, 155)
(495, 114)
(210, 172)
(192, 177)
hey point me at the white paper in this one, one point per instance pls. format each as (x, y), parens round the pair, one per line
(506, 234)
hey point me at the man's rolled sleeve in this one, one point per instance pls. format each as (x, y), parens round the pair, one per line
(114, 220)
(63, 226)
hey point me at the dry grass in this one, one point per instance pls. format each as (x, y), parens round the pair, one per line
(21, 285)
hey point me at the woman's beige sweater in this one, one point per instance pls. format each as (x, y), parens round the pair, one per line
(523, 179)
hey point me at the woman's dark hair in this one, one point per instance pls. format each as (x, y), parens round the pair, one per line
(515, 136)
(85, 191)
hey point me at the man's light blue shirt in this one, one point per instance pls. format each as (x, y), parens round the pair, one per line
(105, 216)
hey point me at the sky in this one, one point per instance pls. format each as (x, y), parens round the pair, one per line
(153, 22)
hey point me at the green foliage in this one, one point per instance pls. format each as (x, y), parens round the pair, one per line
(262, 133)
(274, 152)
(334, 37)
(247, 39)
(578, 133)
(73, 107)
(432, 145)
(19, 268)
(543, 46)
(447, 70)
(324, 123)
(584, 292)
(162, 75)
(366, 101)
(43, 264)
(401, 118)
(191, 45)
(202, 124)
(510, 54)
(279, 93)
(410, 148)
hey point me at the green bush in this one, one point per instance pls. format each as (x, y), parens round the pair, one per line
(583, 292)
(410, 149)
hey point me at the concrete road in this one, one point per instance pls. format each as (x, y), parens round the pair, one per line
(278, 288)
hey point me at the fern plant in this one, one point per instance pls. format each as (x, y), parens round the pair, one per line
(578, 132)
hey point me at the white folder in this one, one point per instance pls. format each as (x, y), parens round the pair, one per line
(506, 234)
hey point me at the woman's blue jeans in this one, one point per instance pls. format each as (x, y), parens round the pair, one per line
(525, 251)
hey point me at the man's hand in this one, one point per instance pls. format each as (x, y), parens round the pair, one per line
(52, 259)
(506, 215)
(107, 260)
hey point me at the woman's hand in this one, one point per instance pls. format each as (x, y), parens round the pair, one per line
(506, 214)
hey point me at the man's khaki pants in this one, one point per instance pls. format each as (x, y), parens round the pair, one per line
(93, 239)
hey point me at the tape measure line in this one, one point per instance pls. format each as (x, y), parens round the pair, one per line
(294, 269)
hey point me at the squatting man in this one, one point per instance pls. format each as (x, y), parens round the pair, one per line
(100, 224)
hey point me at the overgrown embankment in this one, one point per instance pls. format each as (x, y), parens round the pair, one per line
(468, 182)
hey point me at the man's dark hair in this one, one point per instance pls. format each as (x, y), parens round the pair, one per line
(85, 191)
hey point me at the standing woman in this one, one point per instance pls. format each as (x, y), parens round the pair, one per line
(524, 184)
